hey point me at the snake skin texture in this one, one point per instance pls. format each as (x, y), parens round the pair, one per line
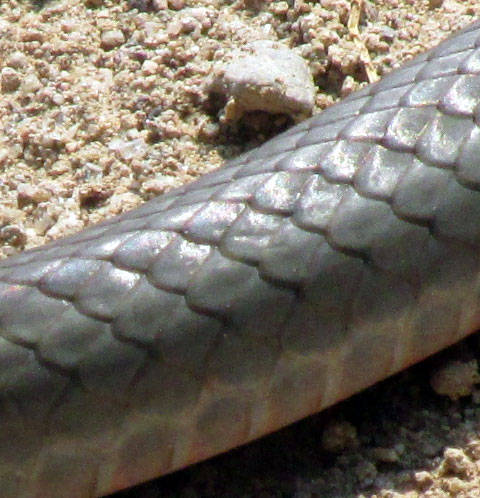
(329, 258)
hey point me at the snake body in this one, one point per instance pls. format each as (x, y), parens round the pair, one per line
(331, 257)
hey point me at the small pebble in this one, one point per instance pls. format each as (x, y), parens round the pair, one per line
(10, 79)
(13, 236)
(69, 26)
(387, 33)
(17, 60)
(149, 67)
(264, 76)
(112, 39)
(473, 450)
(148, 5)
(349, 85)
(423, 479)
(176, 4)
(31, 84)
(158, 5)
(387, 455)
(280, 9)
(31, 194)
(339, 436)
(92, 195)
(456, 462)
(456, 379)
(129, 149)
(365, 472)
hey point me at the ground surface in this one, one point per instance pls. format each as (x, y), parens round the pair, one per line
(102, 106)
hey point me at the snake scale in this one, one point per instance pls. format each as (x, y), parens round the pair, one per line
(329, 258)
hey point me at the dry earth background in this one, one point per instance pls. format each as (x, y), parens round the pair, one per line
(102, 106)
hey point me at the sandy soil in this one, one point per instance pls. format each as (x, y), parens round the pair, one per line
(102, 106)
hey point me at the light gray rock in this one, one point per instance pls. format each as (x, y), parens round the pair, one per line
(264, 76)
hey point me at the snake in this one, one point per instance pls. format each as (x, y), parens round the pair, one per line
(306, 270)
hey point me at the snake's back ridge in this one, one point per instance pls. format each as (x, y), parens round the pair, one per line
(329, 258)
